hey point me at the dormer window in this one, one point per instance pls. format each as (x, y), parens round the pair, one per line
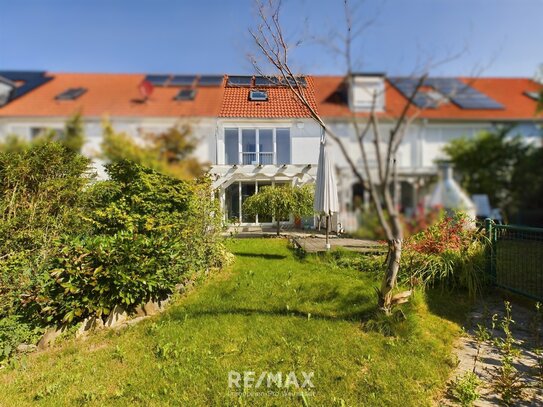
(532, 95)
(258, 95)
(7, 88)
(71, 94)
(363, 89)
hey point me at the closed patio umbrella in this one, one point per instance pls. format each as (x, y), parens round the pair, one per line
(326, 200)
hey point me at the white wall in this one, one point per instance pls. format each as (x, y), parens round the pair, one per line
(204, 129)
(422, 145)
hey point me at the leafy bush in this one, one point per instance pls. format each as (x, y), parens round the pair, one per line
(42, 197)
(148, 232)
(71, 247)
(280, 202)
(449, 252)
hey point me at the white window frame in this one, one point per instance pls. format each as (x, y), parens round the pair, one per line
(257, 140)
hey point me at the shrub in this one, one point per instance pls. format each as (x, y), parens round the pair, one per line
(449, 252)
(42, 196)
(149, 231)
(71, 248)
(281, 201)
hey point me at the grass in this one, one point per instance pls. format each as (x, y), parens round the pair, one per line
(271, 312)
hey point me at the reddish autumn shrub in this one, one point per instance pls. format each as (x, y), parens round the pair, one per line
(449, 253)
(449, 233)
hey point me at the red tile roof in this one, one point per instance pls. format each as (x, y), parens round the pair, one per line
(281, 103)
(117, 95)
(113, 95)
(507, 91)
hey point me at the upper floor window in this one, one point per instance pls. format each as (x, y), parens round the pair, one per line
(257, 146)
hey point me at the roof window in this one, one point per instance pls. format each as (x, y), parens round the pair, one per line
(258, 95)
(71, 94)
(186, 94)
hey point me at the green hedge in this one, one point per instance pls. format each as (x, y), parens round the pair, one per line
(72, 247)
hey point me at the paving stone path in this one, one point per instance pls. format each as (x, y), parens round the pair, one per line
(523, 331)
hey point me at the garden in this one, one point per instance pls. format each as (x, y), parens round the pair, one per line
(248, 321)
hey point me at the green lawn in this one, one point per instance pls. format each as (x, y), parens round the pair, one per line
(270, 313)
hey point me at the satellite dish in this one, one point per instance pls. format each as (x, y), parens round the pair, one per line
(146, 89)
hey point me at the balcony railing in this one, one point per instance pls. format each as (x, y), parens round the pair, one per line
(254, 158)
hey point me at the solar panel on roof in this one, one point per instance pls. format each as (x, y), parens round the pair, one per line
(70, 94)
(240, 80)
(210, 80)
(186, 94)
(407, 87)
(300, 79)
(266, 81)
(158, 80)
(458, 92)
(182, 80)
(30, 80)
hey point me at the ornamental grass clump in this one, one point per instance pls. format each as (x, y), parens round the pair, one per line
(449, 253)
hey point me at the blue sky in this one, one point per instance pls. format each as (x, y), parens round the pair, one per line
(495, 37)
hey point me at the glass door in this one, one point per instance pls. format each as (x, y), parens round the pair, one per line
(264, 218)
(247, 189)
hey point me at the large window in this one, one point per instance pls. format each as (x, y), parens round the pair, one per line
(236, 194)
(257, 146)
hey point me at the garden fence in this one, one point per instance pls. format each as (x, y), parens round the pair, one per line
(515, 258)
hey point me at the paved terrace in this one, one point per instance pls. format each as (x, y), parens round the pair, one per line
(310, 241)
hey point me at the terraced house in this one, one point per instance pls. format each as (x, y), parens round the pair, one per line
(254, 132)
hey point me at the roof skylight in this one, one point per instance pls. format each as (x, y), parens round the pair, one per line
(258, 95)
(71, 94)
(186, 94)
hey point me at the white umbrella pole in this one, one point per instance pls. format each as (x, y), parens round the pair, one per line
(327, 229)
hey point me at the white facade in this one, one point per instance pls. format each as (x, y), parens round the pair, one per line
(417, 155)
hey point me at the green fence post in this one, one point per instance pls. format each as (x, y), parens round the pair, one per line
(490, 233)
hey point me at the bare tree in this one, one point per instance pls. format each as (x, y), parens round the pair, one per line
(271, 42)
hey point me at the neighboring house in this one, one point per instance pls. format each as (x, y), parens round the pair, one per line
(254, 132)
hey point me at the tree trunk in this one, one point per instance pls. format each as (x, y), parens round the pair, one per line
(278, 228)
(389, 280)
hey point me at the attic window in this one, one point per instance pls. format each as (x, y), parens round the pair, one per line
(71, 94)
(186, 94)
(258, 95)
